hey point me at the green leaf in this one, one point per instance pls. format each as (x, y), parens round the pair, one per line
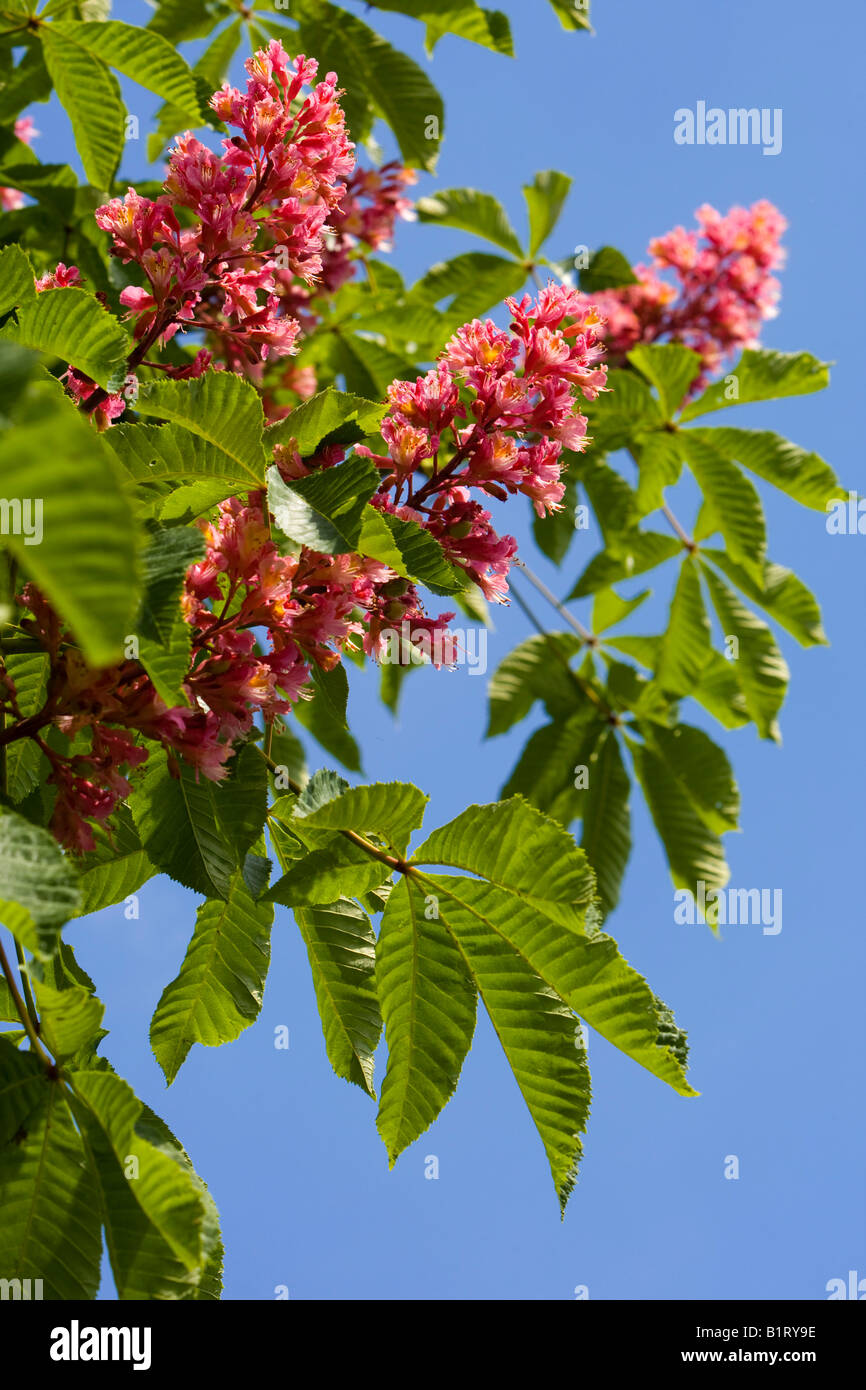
(703, 769)
(165, 636)
(686, 644)
(141, 54)
(623, 411)
(535, 1028)
(222, 409)
(22, 1078)
(208, 74)
(733, 499)
(536, 670)
(670, 367)
(326, 510)
(340, 868)
(548, 884)
(660, 460)
(718, 690)
(637, 552)
(465, 18)
(71, 325)
(16, 279)
(427, 999)
(573, 14)
(39, 886)
(69, 1018)
(198, 831)
(115, 869)
(472, 283)
(330, 417)
(761, 669)
(85, 561)
(802, 475)
(219, 988)
(545, 771)
(390, 83)
(341, 948)
(762, 375)
(184, 19)
(90, 95)
(694, 852)
(471, 211)
(608, 269)
(781, 593)
(325, 715)
(609, 609)
(545, 199)
(410, 550)
(606, 838)
(389, 810)
(159, 1229)
(51, 1221)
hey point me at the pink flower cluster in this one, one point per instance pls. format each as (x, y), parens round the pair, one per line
(724, 289)
(259, 208)
(494, 415)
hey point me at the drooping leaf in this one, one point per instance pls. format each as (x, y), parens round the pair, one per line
(545, 199)
(761, 670)
(606, 837)
(218, 991)
(670, 367)
(341, 948)
(694, 852)
(38, 885)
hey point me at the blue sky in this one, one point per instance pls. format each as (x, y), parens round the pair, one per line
(291, 1152)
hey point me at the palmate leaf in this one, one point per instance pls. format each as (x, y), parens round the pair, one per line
(90, 95)
(545, 771)
(573, 14)
(519, 931)
(388, 82)
(219, 988)
(471, 211)
(762, 375)
(659, 457)
(410, 550)
(325, 716)
(86, 559)
(178, 20)
(624, 410)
